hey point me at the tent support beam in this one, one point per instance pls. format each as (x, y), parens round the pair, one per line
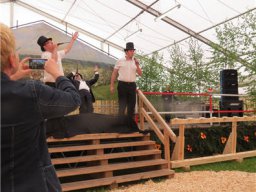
(142, 11)
(69, 10)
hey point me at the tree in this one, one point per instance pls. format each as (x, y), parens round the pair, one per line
(153, 76)
(239, 37)
(190, 72)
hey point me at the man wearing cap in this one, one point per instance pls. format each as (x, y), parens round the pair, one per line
(50, 52)
(126, 68)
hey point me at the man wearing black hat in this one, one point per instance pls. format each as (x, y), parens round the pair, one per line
(126, 69)
(50, 52)
(85, 90)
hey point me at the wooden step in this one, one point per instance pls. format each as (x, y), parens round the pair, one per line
(110, 167)
(99, 146)
(97, 136)
(115, 180)
(79, 159)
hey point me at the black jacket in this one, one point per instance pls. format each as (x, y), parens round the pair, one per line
(88, 82)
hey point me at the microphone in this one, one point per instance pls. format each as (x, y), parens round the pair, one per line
(61, 43)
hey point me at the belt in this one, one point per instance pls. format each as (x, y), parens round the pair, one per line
(128, 83)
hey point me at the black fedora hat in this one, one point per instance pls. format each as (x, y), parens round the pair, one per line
(42, 40)
(78, 74)
(129, 46)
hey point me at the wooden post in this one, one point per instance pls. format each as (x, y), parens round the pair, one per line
(142, 126)
(234, 136)
(181, 142)
(167, 148)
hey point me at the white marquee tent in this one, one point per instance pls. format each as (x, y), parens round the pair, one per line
(109, 24)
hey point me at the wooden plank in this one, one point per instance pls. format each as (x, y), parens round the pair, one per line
(112, 167)
(175, 153)
(157, 116)
(79, 159)
(118, 179)
(212, 159)
(228, 146)
(152, 123)
(167, 148)
(181, 142)
(234, 136)
(100, 146)
(96, 136)
(177, 121)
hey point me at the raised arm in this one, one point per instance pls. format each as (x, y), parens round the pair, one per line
(139, 71)
(70, 45)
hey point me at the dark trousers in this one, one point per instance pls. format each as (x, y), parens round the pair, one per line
(86, 98)
(126, 97)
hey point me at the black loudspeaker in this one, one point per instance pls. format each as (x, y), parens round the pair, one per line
(228, 84)
(231, 105)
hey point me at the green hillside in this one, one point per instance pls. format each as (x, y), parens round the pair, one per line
(102, 92)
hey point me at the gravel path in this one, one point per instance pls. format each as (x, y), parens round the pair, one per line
(199, 181)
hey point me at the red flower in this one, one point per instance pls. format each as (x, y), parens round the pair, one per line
(203, 136)
(189, 148)
(223, 140)
(246, 139)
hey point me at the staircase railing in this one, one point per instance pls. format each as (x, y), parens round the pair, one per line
(144, 107)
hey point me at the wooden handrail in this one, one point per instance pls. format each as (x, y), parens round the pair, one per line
(167, 132)
(177, 121)
(158, 117)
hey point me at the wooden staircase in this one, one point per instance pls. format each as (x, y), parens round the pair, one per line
(106, 159)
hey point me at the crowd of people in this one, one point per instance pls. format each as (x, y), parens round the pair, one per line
(29, 106)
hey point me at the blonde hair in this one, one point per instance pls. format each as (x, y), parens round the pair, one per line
(7, 45)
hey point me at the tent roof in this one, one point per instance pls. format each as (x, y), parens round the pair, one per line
(109, 24)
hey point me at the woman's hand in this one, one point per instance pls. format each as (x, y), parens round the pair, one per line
(22, 71)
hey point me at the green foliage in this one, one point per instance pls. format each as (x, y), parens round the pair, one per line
(102, 92)
(201, 142)
(186, 73)
(153, 76)
(238, 38)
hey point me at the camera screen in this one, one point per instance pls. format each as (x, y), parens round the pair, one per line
(36, 63)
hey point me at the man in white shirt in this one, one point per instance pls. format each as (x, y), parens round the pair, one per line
(50, 51)
(126, 68)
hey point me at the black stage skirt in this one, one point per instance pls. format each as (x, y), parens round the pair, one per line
(69, 126)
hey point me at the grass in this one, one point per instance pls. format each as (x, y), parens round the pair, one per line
(103, 92)
(248, 165)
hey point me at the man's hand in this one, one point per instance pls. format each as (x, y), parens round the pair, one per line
(75, 36)
(69, 46)
(96, 68)
(136, 62)
(22, 71)
(112, 89)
